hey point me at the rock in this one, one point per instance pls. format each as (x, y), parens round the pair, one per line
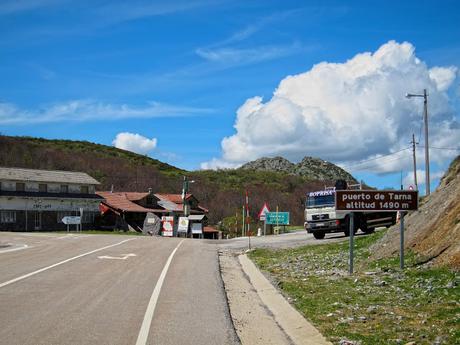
(370, 273)
(313, 168)
(438, 341)
(270, 164)
(152, 224)
(372, 309)
(451, 284)
(349, 342)
(378, 282)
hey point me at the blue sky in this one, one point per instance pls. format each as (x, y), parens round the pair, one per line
(172, 75)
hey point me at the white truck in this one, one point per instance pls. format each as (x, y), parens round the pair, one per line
(321, 217)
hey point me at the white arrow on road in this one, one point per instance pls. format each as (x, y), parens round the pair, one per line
(123, 257)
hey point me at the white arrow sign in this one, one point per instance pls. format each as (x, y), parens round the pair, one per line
(123, 257)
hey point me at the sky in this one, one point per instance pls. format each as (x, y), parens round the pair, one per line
(214, 84)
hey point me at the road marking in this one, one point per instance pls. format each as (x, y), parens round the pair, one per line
(123, 257)
(19, 247)
(36, 235)
(60, 263)
(148, 317)
(71, 237)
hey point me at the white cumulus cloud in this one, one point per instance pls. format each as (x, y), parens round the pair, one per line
(347, 112)
(408, 180)
(134, 142)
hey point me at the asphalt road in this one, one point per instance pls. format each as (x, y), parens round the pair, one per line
(286, 240)
(106, 289)
(100, 289)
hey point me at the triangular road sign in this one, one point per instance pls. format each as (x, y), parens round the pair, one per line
(263, 211)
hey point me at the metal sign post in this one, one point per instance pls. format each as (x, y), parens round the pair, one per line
(401, 240)
(351, 230)
(376, 200)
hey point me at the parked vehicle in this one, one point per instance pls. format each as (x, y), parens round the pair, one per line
(321, 217)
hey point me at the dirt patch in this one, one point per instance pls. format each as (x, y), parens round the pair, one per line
(432, 232)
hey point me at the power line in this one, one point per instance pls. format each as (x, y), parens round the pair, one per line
(370, 167)
(444, 148)
(375, 158)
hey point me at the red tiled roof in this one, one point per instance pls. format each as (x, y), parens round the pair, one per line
(210, 229)
(126, 201)
(122, 201)
(175, 198)
(135, 196)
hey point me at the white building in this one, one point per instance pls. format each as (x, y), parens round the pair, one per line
(34, 200)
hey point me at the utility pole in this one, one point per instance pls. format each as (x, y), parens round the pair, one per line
(427, 151)
(243, 223)
(415, 161)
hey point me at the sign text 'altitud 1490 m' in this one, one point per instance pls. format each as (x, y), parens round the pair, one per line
(374, 200)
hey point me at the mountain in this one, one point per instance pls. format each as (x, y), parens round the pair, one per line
(310, 167)
(221, 191)
(433, 231)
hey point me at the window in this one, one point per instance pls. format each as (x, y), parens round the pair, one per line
(8, 216)
(20, 186)
(64, 188)
(320, 201)
(43, 187)
(84, 189)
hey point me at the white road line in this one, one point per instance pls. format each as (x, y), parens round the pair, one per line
(60, 263)
(148, 317)
(22, 246)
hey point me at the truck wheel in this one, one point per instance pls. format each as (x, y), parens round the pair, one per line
(319, 235)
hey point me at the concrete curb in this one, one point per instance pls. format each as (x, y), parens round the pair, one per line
(296, 327)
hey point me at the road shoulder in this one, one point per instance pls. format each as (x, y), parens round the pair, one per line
(260, 313)
(253, 322)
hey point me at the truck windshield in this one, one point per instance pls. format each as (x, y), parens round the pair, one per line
(320, 201)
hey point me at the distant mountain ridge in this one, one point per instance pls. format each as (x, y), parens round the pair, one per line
(310, 167)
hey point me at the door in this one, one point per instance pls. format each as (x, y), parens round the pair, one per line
(38, 220)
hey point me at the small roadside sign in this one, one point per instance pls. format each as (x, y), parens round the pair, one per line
(168, 226)
(68, 220)
(263, 211)
(376, 200)
(183, 224)
(277, 218)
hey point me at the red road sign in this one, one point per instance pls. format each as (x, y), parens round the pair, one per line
(263, 211)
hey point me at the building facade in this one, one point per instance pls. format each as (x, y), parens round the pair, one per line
(37, 200)
(128, 210)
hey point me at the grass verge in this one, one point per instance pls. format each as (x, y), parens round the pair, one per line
(379, 304)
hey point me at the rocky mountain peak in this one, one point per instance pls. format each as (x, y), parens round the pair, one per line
(310, 167)
(270, 164)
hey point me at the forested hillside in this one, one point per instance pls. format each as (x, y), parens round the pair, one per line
(221, 191)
